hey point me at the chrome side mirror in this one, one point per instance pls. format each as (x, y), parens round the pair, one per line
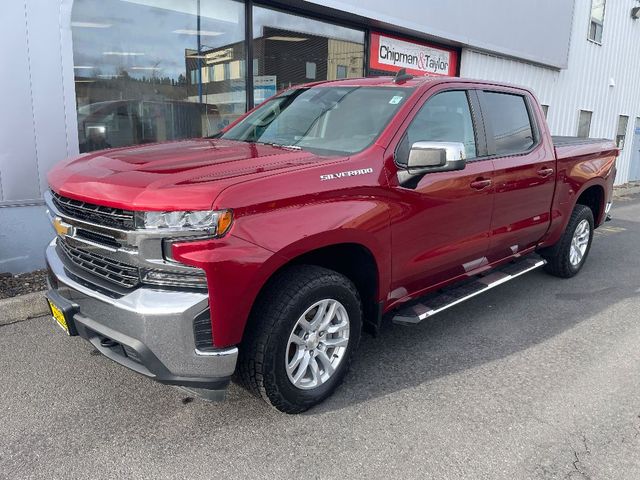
(436, 156)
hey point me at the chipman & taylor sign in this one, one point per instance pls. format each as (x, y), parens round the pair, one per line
(390, 53)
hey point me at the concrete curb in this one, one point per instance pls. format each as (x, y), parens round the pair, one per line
(23, 307)
(626, 190)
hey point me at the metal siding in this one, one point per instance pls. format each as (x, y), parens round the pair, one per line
(17, 136)
(47, 86)
(584, 85)
(41, 129)
(483, 24)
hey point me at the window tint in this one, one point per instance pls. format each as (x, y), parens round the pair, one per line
(446, 117)
(510, 121)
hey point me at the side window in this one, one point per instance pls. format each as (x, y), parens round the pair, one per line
(445, 117)
(510, 122)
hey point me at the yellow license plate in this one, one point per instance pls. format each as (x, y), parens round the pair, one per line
(58, 316)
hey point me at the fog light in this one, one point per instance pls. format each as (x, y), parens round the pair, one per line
(196, 279)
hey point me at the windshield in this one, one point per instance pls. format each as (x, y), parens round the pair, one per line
(338, 120)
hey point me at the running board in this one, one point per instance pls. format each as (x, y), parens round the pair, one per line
(431, 304)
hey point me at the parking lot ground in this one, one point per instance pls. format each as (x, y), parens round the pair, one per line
(540, 378)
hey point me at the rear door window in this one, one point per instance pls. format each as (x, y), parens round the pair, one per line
(510, 122)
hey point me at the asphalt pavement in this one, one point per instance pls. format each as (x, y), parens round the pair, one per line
(540, 378)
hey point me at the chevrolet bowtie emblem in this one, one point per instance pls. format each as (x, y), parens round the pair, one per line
(62, 228)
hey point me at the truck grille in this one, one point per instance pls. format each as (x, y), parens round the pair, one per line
(98, 214)
(116, 272)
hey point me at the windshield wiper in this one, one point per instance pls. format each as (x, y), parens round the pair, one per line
(292, 147)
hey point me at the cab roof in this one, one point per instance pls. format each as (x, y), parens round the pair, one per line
(417, 82)
(384, 81)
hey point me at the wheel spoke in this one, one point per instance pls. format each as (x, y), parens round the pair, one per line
(328, 317)
(337, 328)
(336, 342)
(326, 363)
(296, 340)
(317, 318)
(315, 371)
(295, 361)
(302, 369)
(305, 325)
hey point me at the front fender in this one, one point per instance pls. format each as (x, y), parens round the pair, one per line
(294, 231)
(241, 263)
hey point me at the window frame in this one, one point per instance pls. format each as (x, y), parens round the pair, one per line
(476, 121)
(624, 135)
(488, 127)
(545, 110)
(604, 14)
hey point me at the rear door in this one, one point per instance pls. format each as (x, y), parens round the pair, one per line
(440, 226)
(525, 171)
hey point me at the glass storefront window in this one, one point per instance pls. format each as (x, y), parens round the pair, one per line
(289, 50)
(156, 70)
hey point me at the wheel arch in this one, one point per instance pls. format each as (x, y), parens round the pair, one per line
(353, 259)
(592, 195)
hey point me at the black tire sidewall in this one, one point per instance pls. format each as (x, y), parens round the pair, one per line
(276, 351)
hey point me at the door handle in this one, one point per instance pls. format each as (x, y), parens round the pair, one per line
(480, 184)
(545, 172)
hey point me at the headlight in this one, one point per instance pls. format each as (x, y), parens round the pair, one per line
(212, 222)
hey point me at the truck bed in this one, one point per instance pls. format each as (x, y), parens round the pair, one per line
(576, 146)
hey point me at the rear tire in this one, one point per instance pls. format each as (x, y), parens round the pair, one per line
(301, 337)
(566, 258)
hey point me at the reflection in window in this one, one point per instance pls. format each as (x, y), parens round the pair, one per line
(446, 117)
(156, 70)
(621, 133)
(510, 121)
(291, 50)
(584, 124)
(327, 120)
(597, 20)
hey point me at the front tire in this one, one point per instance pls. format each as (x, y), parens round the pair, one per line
(301, 337)
(566, 258)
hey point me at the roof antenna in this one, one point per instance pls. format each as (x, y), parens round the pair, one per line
(402, 76)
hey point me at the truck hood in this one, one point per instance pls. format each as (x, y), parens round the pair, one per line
(186, 175)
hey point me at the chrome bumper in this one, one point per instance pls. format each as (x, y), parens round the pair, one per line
(154, 325)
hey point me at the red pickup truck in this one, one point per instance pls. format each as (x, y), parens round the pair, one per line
(261, 254)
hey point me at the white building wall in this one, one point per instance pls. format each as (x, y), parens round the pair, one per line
(38, 92)
(38, 125)
(585, 84)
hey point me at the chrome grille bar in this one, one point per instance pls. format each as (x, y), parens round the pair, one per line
(95, 213)
(119, 273)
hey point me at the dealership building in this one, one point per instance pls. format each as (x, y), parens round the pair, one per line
(82, 75)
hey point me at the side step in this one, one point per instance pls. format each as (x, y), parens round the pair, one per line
(436, 302)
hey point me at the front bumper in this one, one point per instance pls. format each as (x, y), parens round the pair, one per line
(148, 330)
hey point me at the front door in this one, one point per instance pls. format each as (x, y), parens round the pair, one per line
(634, 173)
(441, 222)
(525, 172)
